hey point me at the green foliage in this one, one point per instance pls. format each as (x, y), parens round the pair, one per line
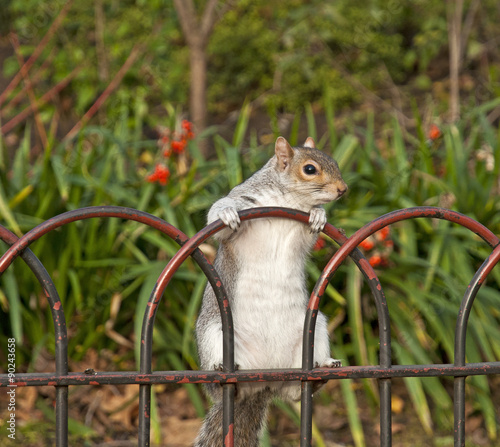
(102, 263)
(242, 32)
(432, 262)
(290, 55)
(94, 263)
(78, 43)
(283, 55)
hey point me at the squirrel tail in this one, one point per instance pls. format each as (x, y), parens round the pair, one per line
(250, 414)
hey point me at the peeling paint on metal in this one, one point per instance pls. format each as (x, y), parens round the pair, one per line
(229, 439)
(368, 269)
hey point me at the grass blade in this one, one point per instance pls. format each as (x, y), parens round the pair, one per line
(14, 302)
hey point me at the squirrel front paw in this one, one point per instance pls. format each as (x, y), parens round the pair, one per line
(229, 217)
(317, 220)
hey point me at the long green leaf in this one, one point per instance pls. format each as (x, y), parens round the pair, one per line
(11, 290)
(351, 404)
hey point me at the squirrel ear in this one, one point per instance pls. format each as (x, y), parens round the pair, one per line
(284, 153)
(310, 143)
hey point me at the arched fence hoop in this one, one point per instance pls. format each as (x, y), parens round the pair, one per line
(229, 377)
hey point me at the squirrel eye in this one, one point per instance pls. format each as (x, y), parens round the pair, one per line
(309, 169)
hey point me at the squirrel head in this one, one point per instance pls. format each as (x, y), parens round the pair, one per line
(309, 171)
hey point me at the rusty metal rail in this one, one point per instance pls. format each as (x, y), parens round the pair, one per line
(61, 379)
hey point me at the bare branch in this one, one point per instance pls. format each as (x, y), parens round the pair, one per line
(115, 82)
(100, 26)
(50, 95)
(188, 19)
(208, 18)
(38, 50)
(29, 90)
(455, 10)
(468, 23)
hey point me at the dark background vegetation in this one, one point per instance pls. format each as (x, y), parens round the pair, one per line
(405, 95)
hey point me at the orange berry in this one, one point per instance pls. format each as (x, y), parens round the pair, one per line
(186, 125)
(161, 175)
(178, 146)
(367, 244)
(434, 132)
(382, 234)
(375, 260)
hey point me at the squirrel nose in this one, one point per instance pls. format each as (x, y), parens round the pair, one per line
(341, 190)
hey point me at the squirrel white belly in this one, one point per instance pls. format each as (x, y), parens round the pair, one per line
(262, 265)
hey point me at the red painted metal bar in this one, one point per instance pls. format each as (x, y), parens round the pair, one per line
(227, 324)
(147, 347)
(145, 378)
(87, 213)
(18, 247)
(228, 348)
(50, 292)
(289, 375)
(389, 219)
(189, 248)
(350, 245)
(460, 339)
(384, 352)
(60, 333)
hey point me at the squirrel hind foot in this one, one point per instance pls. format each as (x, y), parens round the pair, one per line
(331, 363)
(221, 367)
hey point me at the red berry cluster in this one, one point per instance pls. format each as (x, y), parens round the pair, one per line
(171, 146)
(380, 245)
(180, 141)
(161, 175)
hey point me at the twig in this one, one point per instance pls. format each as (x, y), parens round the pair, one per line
(115, 82)
(455, 9)
(38, 50)
(397, 100)
(493, 116)
(102, 61)
(34, 81)
(29, 89)
(20, 117)
(467, 27)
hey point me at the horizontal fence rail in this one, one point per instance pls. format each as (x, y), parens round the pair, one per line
(228, 377)
(271, 375)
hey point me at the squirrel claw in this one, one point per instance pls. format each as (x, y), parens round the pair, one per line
(229, 217)
(220, 367)
(317, 220)
(332, 363)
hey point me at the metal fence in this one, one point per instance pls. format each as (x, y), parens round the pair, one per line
(61, 378)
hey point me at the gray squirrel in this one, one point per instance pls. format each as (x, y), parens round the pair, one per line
(261, 263)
